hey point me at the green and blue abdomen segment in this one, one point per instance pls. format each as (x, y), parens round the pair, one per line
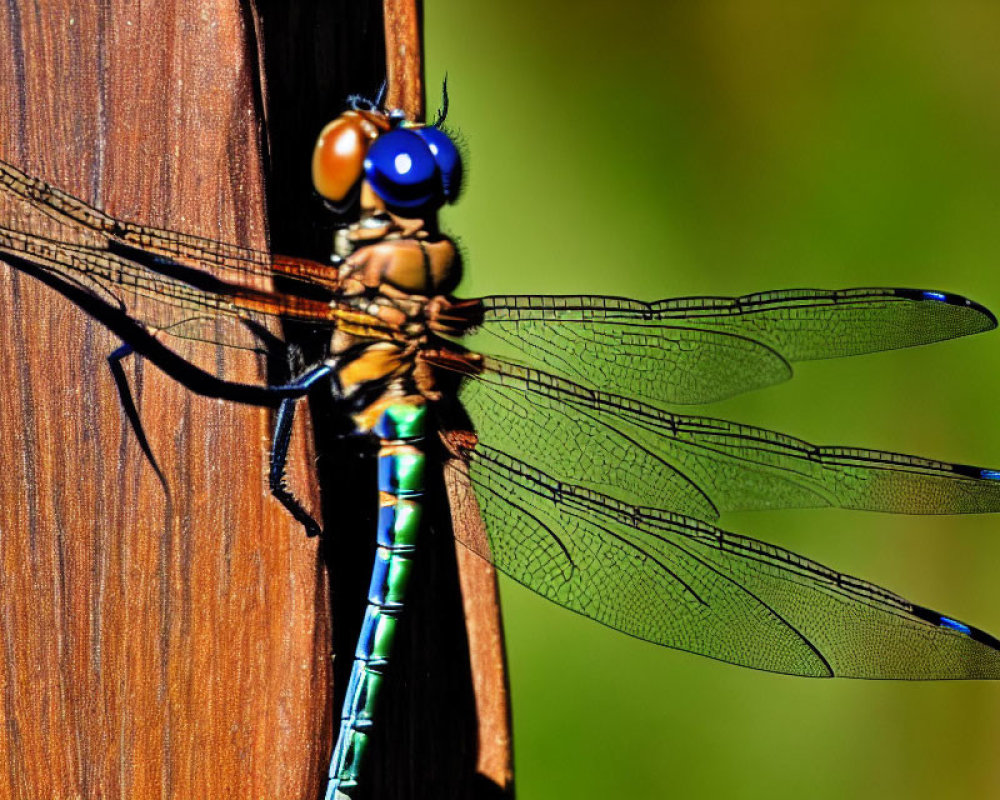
(401, 464)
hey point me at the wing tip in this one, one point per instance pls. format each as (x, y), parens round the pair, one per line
(941, 621)
(950, 299)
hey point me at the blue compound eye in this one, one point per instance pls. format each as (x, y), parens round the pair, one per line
(449, 162)
(401, 169)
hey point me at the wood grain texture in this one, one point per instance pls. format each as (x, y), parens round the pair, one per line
(160, 639)
(167, 634)
(481, 602)
(404, 57)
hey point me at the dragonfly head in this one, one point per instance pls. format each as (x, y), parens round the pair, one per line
(412, 169)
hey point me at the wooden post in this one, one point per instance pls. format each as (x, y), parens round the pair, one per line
(161, 638)
(167, 634)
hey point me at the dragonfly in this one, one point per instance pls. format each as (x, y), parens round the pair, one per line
(591, 492)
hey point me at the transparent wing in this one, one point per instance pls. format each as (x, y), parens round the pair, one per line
(185, 286)
(700, 466)
(230, 262)
(700, 349)
(684, 584)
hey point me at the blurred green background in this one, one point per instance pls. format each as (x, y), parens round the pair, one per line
(657, 149)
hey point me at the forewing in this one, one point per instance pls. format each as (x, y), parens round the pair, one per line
(697, 350)
(183, 286)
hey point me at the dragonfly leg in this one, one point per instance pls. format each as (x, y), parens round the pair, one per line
(282, 438)
(127, 400)
(289, 393)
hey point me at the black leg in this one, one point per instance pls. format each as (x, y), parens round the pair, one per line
(128, 406)
(279, 457)
(289, 394)
(279, 448)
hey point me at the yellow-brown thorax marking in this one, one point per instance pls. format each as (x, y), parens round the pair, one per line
(389, 273)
